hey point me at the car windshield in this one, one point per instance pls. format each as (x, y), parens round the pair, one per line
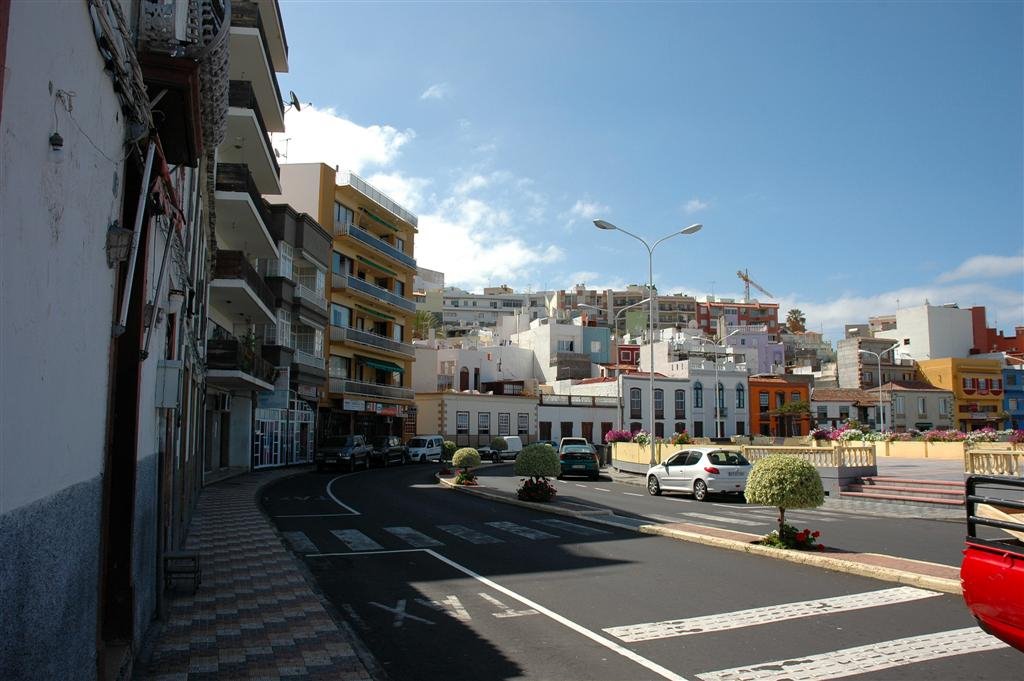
(417, 442)
(344, 441)
(724, 458)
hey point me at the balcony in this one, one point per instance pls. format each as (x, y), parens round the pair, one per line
(233, 364)
(247, 141)
(344, 386)
(376, 196)
(250, 61)
(238, 291)
(341, 334)
(308, 296)
(308, 359)
(242, 217)
(579, 400)
(379, 245)
(270, 15)
(377, 293)
(566, 358)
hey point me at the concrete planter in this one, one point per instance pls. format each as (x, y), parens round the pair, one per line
(629, 456)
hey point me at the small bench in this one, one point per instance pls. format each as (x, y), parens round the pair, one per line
(182, 565)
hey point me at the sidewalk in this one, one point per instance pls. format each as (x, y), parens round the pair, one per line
(255, 616)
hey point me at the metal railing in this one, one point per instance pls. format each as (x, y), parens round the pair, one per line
(247, 15)
(377, 196)
(233, 265)
(309, 359)
(235, 177)
(379, 293)
(343, 334)
(242, 96)
(344, 386)
(314, 298)
(233, 354)
(361, 235)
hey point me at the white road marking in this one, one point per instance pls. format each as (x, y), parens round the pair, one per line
(864, 659)
(356, 540)
(400, 614)
(505, 610)
(602, 489)
(315, 515)
(469, 534)
(773, 613)
(450, 606)
(579, 485)
(300, 542)
(579, 629)
(724, 519)
(338, 501)
(632, 494)
(522, 531)
(413, 538)
(574, 528)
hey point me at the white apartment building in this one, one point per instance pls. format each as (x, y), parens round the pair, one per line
(931, 332)
(565, 349)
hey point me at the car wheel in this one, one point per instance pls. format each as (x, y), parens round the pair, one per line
(700, 490)
(653, 488)
(423, 458)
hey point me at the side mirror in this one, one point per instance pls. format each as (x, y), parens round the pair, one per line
(665, 464)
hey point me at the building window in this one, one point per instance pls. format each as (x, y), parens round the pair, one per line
(869, 378)
(284, 328)
(340, 264)
(483, 423)
(659, 403)
(635, 426)
(680, 427)
(844, 413)
(565, 346)
(741, 428)
(524, 424)
(921, 407)
(397, 331)
(287, 252)
(762, 402)
(462, 423)
(823, 413)
(634, 403)
(504, 424)
(342, 218)
(659, 429)
(400, 244)
(341, 316)
(780, 399)
(339, 367)
(721, 396)
(741, 398)
(794, 397)
(698, 395)
(944, 407)
(680, 405)
(899, 406)
(566, 427)
(698, 429)
(400, 288)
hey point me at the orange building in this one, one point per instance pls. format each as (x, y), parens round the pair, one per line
(769, 395)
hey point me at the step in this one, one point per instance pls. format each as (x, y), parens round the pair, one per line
(878, 489)
(873, 479)
(916, 500)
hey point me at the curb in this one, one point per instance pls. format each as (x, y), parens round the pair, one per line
(941, 584)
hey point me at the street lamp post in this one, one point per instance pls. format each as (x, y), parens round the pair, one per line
(615, 330)
(878, 356)
(604, 224)
(718, 395)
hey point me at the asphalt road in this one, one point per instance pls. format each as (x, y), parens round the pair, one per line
(929, 540)
(444, 585)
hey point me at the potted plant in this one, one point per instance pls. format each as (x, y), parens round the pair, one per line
(786, 482)
(466, 459)
(537, 462)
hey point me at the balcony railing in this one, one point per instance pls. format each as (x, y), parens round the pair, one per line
(379, 293)
(344, 386)
(235, 177)
(233, 354)
(311, 296)
(247, 15)
(233, 265)
(373, 242)
(242, 96)
(309, 359)
(346, 334)
(580, 400)
(377, 196)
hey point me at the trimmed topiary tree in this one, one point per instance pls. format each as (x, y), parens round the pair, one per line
(466, 459)
(537, 462)
(785, 481)
(448, 450)
(499, 445)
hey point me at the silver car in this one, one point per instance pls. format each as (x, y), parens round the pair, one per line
(700, 471)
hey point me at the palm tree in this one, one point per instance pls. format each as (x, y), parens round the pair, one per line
(795, 320)
(422, 323)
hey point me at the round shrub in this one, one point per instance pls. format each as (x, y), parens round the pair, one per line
(538, 461)
(448, 450)
(466, 458)
(498, 444)
(784, 482)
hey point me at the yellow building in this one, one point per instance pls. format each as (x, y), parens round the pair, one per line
(977, 387)
(371, 306)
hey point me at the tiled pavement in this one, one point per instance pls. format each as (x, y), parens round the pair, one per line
(254, 616)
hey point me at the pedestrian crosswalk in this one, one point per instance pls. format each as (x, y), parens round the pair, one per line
(403, 537)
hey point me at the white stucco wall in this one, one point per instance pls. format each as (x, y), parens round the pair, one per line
(300, 188)
(56, 291)
(934, 332)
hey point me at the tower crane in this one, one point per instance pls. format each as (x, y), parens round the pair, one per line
(747, 283)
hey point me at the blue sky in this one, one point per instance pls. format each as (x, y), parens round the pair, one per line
(853, 156)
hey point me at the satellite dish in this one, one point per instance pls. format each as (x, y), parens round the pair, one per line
(294, 101)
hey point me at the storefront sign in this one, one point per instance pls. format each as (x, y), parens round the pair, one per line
(389, 411)
(353, 405)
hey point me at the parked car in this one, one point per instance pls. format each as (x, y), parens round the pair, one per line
(514, 445)
(388, 449)
(425, 448)
(579, 459)
(343, 450)
(700, 471)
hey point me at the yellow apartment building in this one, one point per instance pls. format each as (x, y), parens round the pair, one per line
(371, 309)
(977, 387)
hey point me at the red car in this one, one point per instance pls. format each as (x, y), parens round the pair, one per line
(992, 572)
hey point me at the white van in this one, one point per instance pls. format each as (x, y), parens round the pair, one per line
(423, 448)
(515, 445)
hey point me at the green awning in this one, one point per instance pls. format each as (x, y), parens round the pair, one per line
(370, 310)
(380, 220)
(367, 261)
(382, 365)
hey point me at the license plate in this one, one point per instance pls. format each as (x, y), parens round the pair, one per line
(578, 465)
(735, 473)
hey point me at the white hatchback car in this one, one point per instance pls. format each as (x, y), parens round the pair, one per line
(700, 471)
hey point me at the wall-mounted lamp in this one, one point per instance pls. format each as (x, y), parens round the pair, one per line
(175, 298)
(119, 243)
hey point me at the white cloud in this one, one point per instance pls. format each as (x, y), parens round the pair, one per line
(407, 191)
(986, 267)
(471, 183)
(436, 91)
(322, 136)
(486, 148)
(587, 210)
(695, 205)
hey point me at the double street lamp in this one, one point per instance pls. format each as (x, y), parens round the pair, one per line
(878, 356)
(615, 331)
(604, 224)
